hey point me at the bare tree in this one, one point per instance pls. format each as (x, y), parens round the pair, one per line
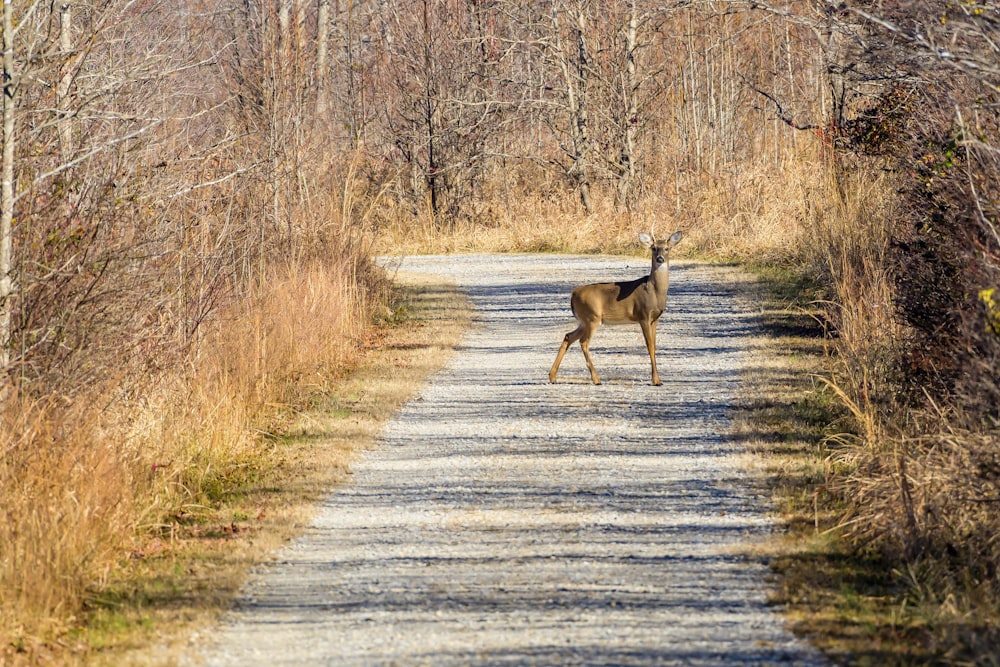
(7, 192)
(629, 94)
(631, 84)
(569, 52)
(88, 90)
(322, 55)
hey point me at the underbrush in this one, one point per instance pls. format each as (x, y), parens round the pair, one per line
(893, 557)
(87, 482)
(858, 603)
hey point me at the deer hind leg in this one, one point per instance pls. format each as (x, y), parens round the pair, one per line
(568, 340)
(649, 333)
(585, 346)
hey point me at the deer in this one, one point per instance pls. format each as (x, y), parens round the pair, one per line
(642, 300)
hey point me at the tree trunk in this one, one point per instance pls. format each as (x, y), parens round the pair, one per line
(7, 193)
(284, 25)
(66, 144)
(582, 120)
(630, 91)
(322, 57)
(429, 115)
(575, 80)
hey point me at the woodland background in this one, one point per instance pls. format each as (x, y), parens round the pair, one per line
(192, 193)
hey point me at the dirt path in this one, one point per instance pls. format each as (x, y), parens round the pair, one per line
(505, 520)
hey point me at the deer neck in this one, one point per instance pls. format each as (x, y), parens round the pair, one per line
(659, 276)
(659, 279)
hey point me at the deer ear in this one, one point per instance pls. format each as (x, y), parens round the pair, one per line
(645, 238)
(676, 237)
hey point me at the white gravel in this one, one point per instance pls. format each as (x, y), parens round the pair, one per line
(506, 520)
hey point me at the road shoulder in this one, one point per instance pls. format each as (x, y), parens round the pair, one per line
(183, 587)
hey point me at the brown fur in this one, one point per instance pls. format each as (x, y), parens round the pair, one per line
(642, 300)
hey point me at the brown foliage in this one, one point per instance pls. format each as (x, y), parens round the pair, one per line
(921, 477)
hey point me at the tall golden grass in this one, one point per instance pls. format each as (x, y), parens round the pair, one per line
(919, 487)
(63, 503)
(849, 247)
(83, 482)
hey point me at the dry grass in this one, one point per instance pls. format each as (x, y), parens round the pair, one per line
(182, 587)
(760, 214)
(61, 512)
(855, 605)
(914, 488)
(527, 225)
(86, 486)
(850, 248)
(846, 603)
(876, 494)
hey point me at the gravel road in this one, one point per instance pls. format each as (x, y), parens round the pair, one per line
(506, 520)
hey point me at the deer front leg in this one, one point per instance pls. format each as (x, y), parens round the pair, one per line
(649, 333)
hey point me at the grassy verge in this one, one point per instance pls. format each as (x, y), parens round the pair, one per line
(841, 597)
(176, 585)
